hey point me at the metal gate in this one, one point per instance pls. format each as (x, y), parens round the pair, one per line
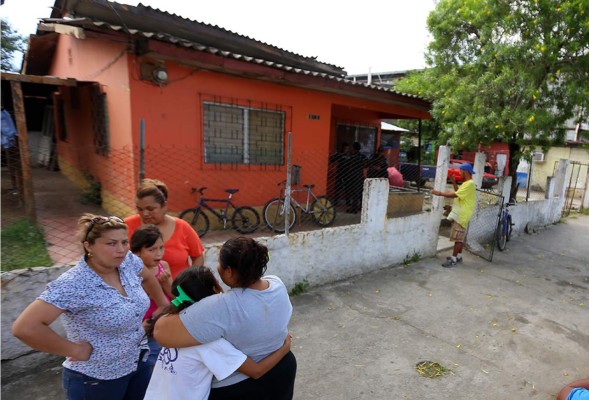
(482, 228)
(575, 189)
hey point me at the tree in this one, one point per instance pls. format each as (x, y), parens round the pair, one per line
(506, 70)
(11, 42)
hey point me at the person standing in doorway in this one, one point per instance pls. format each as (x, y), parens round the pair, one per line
(462, 210)
(339, 160)
(354, 168)
(377, 165)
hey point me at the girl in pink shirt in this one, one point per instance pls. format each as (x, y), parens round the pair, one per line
(148, 244)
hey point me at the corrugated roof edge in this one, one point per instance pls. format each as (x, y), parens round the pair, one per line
(315, 58)
(199, 47)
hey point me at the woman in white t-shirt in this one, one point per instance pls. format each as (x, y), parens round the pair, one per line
(186, 373)
(253, 315)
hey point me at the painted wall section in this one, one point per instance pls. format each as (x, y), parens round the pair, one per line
(94, 60)
(173, 116)
(541, 170)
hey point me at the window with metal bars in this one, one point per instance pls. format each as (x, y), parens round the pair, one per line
(243, 135)
(100, 120)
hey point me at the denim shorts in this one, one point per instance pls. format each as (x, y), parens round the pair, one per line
(129, 387)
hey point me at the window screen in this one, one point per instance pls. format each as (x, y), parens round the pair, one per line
(242, 135)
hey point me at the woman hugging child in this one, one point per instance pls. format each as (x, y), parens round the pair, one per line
(186, 373)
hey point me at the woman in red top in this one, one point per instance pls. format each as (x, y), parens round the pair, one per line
(181, 243)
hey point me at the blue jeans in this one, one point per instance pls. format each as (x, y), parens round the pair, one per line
(154, 351)
(129, 387)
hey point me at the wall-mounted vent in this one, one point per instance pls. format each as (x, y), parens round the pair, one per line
(538, 156)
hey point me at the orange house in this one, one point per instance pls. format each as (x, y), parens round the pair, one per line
(195, 105)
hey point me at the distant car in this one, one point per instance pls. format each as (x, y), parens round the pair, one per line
(489, 180)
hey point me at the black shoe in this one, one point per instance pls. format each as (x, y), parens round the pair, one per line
(449, 263)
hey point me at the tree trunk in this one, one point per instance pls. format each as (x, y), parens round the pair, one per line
(514, 157)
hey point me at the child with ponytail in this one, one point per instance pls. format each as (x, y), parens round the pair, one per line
(186, 373)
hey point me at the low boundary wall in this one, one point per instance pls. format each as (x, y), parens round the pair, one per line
(318, 257)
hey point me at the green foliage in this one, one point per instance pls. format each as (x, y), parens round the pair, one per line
(23, 246)
(300, 287)
(512, 71)
(409, 259)
(431, 369)
(11, 42)
(92, 194)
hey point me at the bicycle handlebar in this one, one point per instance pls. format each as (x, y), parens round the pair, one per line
(199, 190)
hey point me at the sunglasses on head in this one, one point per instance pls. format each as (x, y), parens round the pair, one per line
(101, 221)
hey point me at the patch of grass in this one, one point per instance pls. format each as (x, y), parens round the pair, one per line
(430, 369)
(23, 246)
(92, 195)
(411, 258)
(300, 287)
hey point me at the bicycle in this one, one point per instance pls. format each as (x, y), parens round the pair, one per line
(504, 227)
(244, 219)
(320, 208)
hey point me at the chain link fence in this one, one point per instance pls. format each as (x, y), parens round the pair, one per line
(325, 191)
(482, 228)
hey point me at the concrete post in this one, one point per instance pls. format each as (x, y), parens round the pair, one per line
(560, 178)
(479, 168)
(549, 187)
(585, 201)
(506, 190)
(375, 197)
(441, 177)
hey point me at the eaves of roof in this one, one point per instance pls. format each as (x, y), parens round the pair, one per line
(342, 84)
(191, 38)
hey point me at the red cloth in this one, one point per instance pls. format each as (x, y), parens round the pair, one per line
(395, 177)
(184, 243)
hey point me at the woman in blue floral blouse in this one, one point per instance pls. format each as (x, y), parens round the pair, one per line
(102, 301)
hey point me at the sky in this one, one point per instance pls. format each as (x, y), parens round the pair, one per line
(373, 36)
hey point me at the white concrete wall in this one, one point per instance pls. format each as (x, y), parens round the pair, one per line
(320, 256)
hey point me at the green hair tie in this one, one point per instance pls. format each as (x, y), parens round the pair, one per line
(181, 298)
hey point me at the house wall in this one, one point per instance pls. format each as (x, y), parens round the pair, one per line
(319, 257)
(95, 60)
(174, 110)
(543, 169)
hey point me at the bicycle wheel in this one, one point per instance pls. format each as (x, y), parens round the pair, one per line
(501, 236)
(275, 215)
(323, 211)
(245, 220)
(509, 226)
(197, 219)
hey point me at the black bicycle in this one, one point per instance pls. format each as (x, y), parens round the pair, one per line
(244, 219)
(320, 208)
(503, 234)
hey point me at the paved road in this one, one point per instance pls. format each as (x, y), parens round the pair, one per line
(516, 328)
